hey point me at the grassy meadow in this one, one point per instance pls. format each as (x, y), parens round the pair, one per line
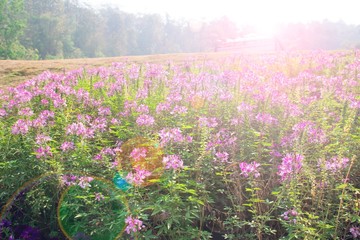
(185, 146)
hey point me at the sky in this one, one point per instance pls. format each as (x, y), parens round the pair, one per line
(265, 14)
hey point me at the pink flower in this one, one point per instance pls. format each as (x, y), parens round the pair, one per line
(172, 135)
(336, 164)
(138, 177)
(41, 139)
(104, 111)
(99, 197)
(43, 152)
(266, 118)
(26, 112)
(133, 224)
(145, 120)
(222, 156)
(66, 146)
(355, 231)
(21, 127)
(84, 182)
(173, 162)
(290, 165)
(3, 113)
(138, 153)
(248, 169)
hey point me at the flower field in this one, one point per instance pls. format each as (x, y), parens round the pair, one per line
(243, 147)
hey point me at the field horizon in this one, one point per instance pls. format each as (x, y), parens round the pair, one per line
(13, 72)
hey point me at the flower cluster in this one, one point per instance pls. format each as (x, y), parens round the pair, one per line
(248, 169)
(133, 224)
(355, 232)
(173, 162)
(138, 177)
(138, 153)
(290, 215)
(290, 165)
(172, 135)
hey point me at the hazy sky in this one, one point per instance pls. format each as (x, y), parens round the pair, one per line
(265, 13)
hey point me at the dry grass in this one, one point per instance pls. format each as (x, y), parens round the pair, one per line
(13, 72)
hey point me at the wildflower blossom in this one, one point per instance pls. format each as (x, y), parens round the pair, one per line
(3, 113)
(26, 112)
(173, 162)
(133, 224)
(99, 197)
(145, 120)
(266, 118)
(84, 182)
(208, 122)
(290, 215)
(143, 109)
(69, 180)
(43, 152)
(41, 139)
(222, 156)
(248, 169)
(336, 164)
(98, 157)
(104, 111)
(179, 110)
(21, 127)
(291, 164)
(171, 135)
(162, 107)
(108, 151)
(44, 102)
(138, 177)
(355, 232)
(138, 153)
(66, 146)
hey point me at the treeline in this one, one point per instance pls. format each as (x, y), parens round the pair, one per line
(48, 29)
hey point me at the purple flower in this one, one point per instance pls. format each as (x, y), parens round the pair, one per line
(290, 216)
(266, 118)
(66, 146)
(3, 113)
(222, 156)
(355, 231)
(43, 152)
(162, 107)
(108, 151)
(41, 139)
(336, 164)
(84, 182)
(248, 169)
(26, 112)
(138, 177)
(99, 197)
(143, 109)
(208, 122)
(172, 135)
(138, 153)
(69, 180)
(21, 127)
(179, 110)
(145, 120)
(173, 162)
(133, 224)
(291, 164)
(104, 111)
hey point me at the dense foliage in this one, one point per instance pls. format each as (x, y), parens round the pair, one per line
(48, 29)
(248, 147)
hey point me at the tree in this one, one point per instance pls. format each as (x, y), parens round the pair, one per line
(12, 25)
